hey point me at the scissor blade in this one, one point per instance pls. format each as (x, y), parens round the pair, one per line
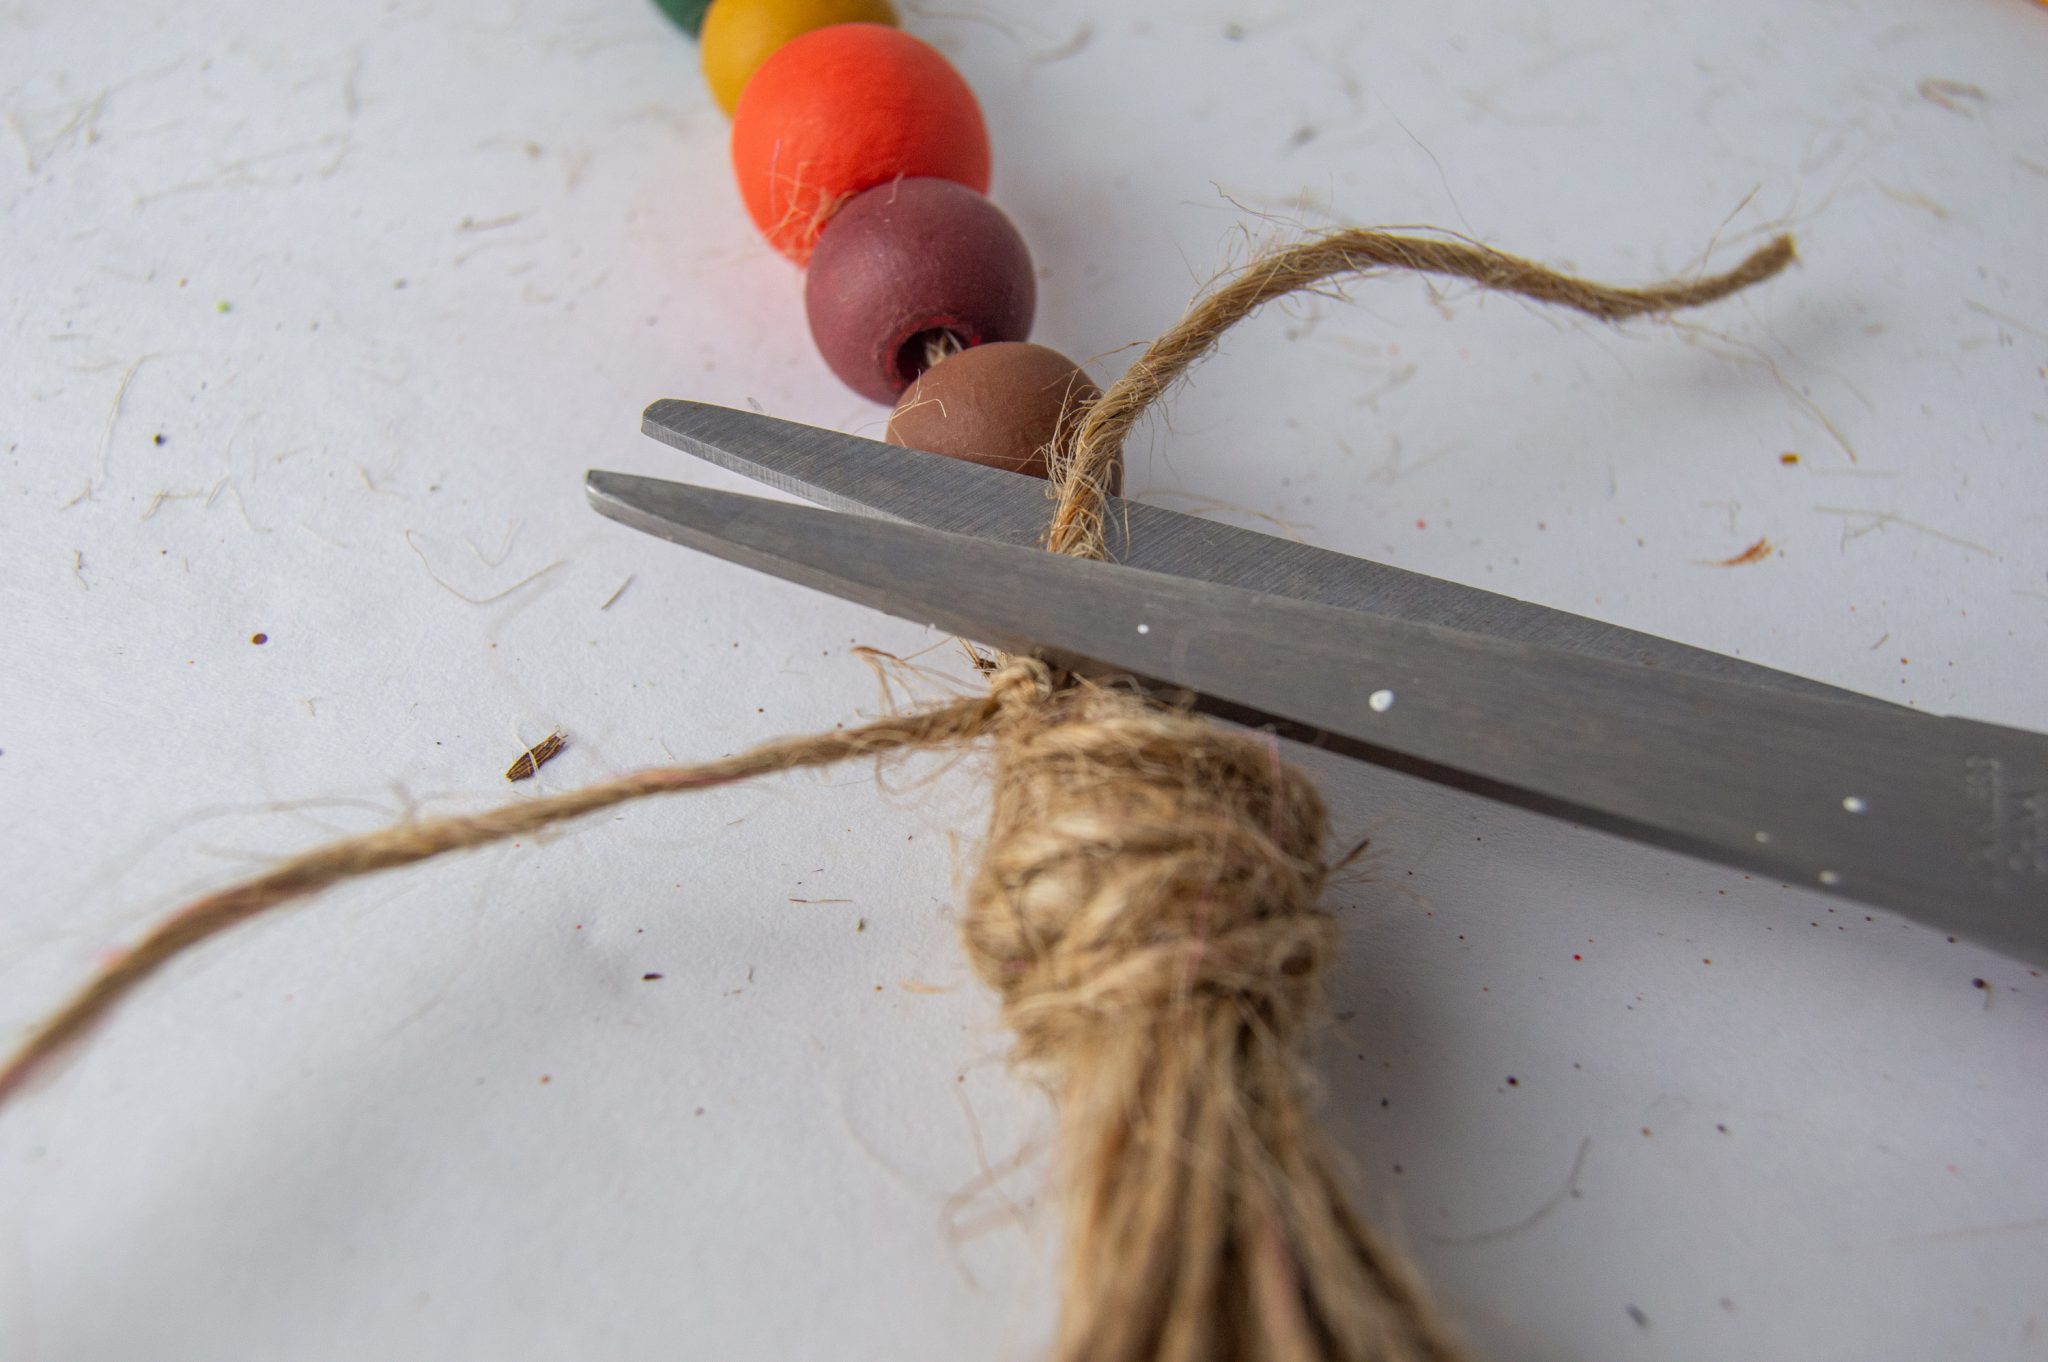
(1944, 820)
(867, 477)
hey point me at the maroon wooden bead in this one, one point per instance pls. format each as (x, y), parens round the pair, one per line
(905, 262)
(1002, 405)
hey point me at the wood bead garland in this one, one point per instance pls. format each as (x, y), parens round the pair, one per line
(843, 109)
(739, 35)
(905, 264)
(1003, 405)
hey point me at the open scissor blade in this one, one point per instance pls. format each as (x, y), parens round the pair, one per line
(1944, 820)
(866, 477)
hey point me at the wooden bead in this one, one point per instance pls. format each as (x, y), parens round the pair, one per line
(904, 264)
(842, 109)
(1002, 405)
(741, 34)
(687, 15)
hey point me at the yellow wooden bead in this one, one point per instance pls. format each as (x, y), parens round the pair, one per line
(739, 35)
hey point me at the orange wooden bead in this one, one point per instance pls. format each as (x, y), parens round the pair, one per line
(741, 34)
(842, 109)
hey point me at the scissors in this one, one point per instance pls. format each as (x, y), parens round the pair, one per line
(1943, 820)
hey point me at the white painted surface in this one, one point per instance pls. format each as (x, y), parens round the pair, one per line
(462, 243)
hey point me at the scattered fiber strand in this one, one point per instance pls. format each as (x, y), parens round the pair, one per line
(408, 843)
(1755, 553)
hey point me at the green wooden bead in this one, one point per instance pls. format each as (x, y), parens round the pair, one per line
(687, 14)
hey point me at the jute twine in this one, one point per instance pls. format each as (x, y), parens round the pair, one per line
(1145, 905)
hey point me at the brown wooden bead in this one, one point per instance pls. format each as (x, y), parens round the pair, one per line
(1001, 405)
(905, 263)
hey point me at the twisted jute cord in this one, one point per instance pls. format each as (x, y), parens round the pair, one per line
(1145, 905)
(1082, 473)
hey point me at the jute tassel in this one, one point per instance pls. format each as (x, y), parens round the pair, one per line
(1145, 905)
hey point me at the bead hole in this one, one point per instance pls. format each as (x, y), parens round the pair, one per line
(925, 349)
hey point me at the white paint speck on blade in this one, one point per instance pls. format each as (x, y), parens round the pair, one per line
(1381, 701)
(1830, 877)
(1144, 628)
(1854, 803)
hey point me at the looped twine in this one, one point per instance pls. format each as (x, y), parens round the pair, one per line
(1088, 468)
(1137, 857)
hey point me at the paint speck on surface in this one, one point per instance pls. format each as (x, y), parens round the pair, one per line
(1144, 628)
(546, 1079)
(1854, 804)
(223, 306)
(1755, 553)
(1979, 983)
(1642, 1320)
(1514, 1082)
(1830, 877)
(1788, 458)
(157, 438)
(649, 977)
(1421, 524)
(259, 639)
(1381, 701)
(1763, 837)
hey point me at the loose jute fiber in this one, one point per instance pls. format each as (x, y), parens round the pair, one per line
(1146, 906)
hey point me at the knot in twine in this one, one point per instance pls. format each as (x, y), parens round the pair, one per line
(1145, 905)
(1140, 861)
